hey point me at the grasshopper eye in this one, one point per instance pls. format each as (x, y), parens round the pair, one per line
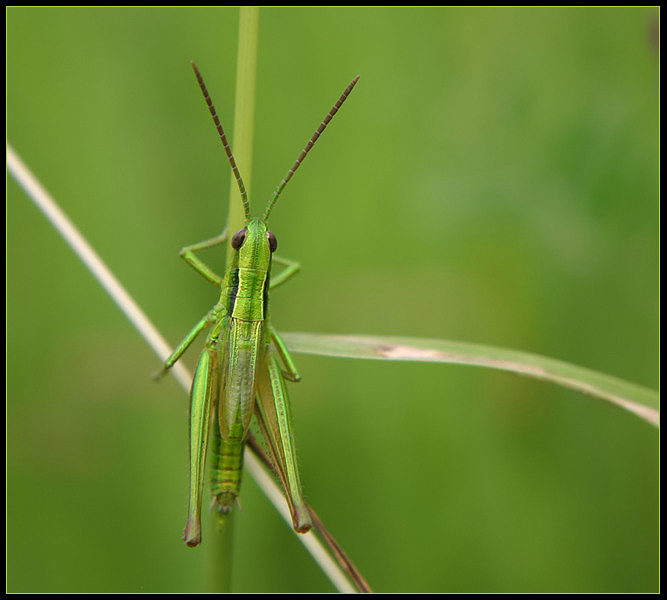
(273, 242)
(239, 238)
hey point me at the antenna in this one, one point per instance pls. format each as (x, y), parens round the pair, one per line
(309, 145)
(223, 138)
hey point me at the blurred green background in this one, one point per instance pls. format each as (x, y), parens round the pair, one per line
(493, 178)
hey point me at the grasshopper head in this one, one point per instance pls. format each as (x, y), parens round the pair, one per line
(255, 244)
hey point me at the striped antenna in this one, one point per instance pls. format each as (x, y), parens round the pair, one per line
(309, 145)
(223, 138)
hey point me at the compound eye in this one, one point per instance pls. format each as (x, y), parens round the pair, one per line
(239, 238)
(273, 242)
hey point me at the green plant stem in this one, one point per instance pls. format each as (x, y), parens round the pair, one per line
(220, 559)
(244, 115)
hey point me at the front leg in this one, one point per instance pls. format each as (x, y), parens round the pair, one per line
(291, 269)
(188, 255)
(279, 345)
(207, 320)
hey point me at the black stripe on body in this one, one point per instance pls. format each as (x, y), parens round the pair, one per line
(233, 290)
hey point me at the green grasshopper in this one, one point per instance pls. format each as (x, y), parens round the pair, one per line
(244, 364)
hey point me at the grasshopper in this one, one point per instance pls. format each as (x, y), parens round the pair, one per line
(244, 364)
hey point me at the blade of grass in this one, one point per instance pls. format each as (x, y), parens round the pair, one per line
(244, 112)
(629, 396)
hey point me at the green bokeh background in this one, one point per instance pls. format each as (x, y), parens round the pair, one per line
(493, 178)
